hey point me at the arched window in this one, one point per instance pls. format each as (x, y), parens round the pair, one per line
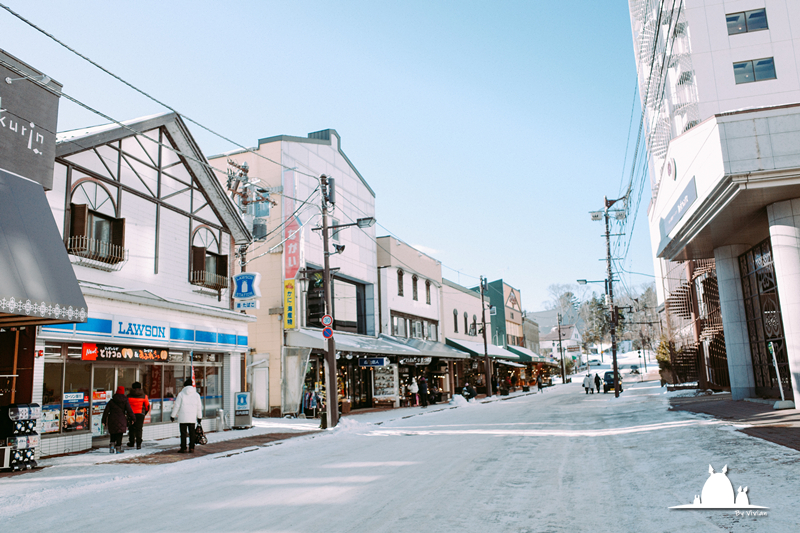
(209, 267)
(414, 294)
(455, 320)
(399, 282)
(428, 292)
(474, 324)
(94, 231)
(466, 324)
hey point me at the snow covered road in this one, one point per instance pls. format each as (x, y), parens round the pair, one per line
(558, 461)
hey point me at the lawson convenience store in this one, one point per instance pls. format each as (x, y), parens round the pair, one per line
(80, 366)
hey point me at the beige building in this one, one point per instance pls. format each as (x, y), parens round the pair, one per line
(283, 357)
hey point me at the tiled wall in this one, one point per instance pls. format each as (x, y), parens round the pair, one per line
(83, 441)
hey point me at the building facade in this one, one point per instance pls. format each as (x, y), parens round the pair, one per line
(720, 91)
(151, 236)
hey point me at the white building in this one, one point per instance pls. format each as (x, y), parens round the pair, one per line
(720, 87)
(151, 235)
(285, 366)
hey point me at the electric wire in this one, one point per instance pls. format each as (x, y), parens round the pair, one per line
(140, 91)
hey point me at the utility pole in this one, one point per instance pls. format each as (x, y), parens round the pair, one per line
(331, 387)
(611, 307)
(486, 363)
(561, 353)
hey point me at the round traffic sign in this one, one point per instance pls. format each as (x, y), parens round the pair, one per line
(327, 320)
(327, 333)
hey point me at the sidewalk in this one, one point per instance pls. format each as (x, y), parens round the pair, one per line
(762, 421)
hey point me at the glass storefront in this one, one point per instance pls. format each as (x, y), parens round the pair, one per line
(75, 392)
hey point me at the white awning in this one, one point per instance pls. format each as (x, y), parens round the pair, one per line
(510, 363)
(348, 342)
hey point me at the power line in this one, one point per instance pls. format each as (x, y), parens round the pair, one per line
(140, 91)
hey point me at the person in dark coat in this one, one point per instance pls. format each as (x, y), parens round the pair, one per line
(539, 383)
(597, 381)
(115, 417)
(140, 404)
(471, 391)
(423, 390)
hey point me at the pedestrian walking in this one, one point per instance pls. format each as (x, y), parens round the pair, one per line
(539, 383)
(140, 405)
(414, 389)
(597, 381)
(587, 384)
(423, 390)
(115, 417)
(188, 409)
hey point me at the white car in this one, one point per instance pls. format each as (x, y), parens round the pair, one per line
(595, 362)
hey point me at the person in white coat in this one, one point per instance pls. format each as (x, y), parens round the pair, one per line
(188, 409)
(587, 384)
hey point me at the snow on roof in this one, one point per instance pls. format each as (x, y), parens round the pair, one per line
(70, 135)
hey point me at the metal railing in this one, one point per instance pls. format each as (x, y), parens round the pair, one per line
(209, 280)
(94, 253)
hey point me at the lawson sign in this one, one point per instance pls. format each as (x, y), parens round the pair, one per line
(139, 328)
(246, 286)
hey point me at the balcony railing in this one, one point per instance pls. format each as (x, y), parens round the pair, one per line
(209, 280)
(93, 253)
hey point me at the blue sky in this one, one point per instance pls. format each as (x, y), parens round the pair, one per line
(488, 130)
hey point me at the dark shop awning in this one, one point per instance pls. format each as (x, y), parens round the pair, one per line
(37, 283)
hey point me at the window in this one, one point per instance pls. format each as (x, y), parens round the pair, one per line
(209, 268)
(414, 294)
(95, 232)
(747, 21)
(335, 233)
(399, 282)
(755, 70)
(428, 292)
(466, 323)
(455, 321)
(417, 329)
(474, 330)
(432, 332)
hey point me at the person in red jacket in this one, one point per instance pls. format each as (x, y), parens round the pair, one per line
(140, 404)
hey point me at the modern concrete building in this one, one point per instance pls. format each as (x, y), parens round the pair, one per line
(720, 88)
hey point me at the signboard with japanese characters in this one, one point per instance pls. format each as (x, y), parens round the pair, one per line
(289, 311)
(291, 232)
(105, 352)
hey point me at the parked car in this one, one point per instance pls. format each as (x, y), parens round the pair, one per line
(608, 381)
(594, 362)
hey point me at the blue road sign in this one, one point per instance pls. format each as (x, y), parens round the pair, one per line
(327, 333)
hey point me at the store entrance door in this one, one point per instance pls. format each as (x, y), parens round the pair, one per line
(105, 380)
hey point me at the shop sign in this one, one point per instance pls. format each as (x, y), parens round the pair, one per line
(373, 361)
(75, 398)
(138, 328)
(291, 232)
(247, 286)
(289, 314)
(28, 116)
(103, 352)
(418, 361)
(246, 305)
(242, 404)
(682, 204)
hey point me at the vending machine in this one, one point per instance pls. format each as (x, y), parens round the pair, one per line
(18, 436)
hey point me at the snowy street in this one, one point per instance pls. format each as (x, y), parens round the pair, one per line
(557, 461)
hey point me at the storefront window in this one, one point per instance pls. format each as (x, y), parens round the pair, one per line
(102, 391)
(52, 389)
(151, 378)
(77, 387)
(213, 393)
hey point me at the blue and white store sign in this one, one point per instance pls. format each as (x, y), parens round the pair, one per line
(373, 361)
(152, 332)
(247, 286)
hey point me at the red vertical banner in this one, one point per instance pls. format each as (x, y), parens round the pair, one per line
(291, 245)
